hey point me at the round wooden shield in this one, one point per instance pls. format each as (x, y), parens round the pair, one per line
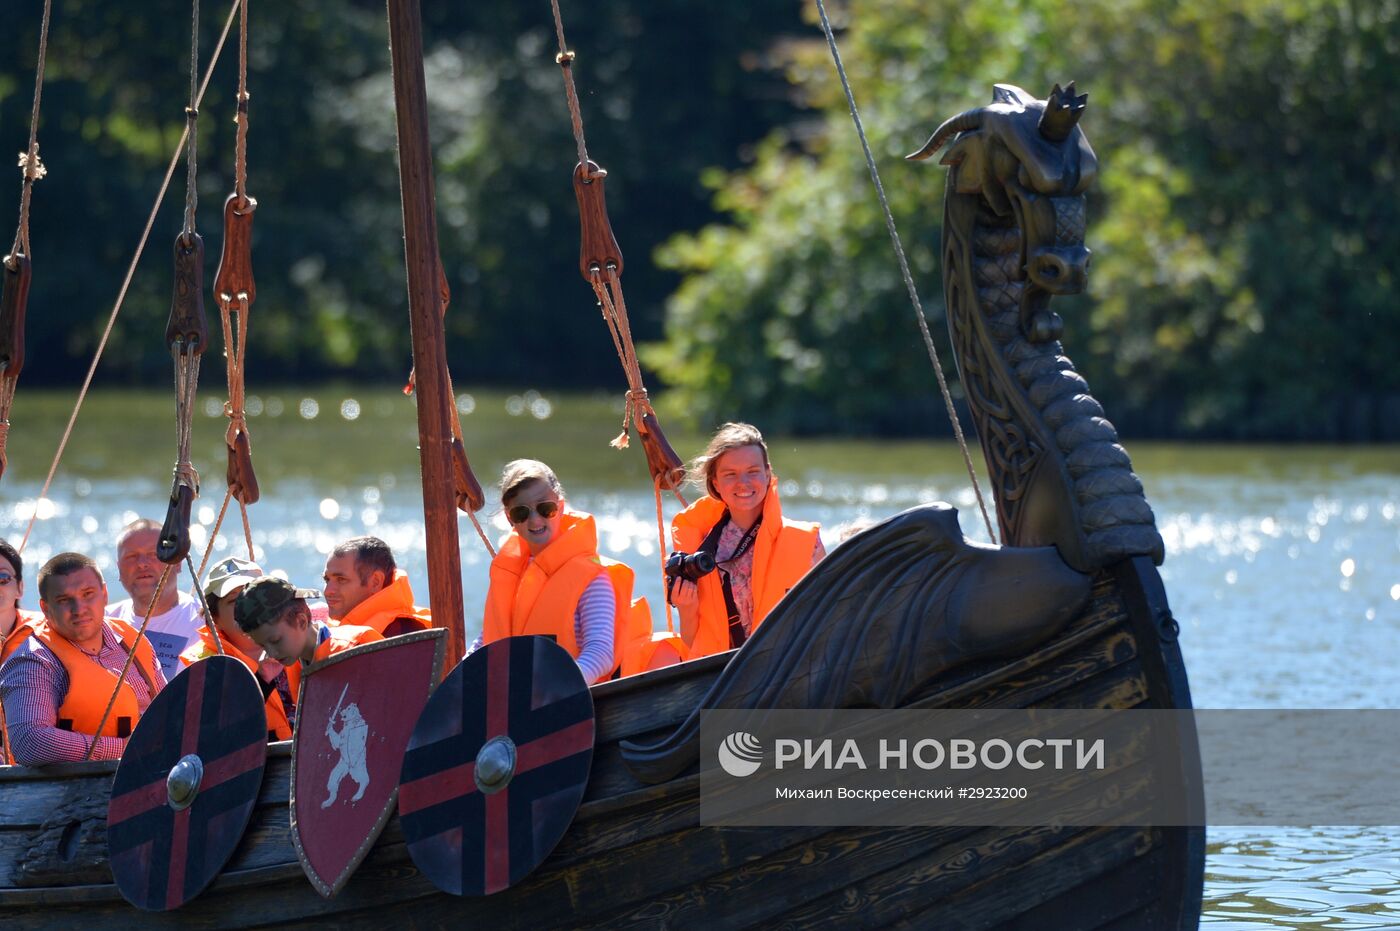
(187, 783)
(497, 766)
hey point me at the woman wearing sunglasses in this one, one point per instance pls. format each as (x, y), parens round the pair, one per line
(758, 553)
(15, 625)
(548, 579)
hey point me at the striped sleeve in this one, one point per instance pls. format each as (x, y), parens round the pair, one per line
(32, 685)
(593, 629)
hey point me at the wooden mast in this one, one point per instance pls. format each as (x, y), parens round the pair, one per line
(425, 317)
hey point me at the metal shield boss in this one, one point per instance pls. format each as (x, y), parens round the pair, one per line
(497, 766)
(354, 716)
(187, 784)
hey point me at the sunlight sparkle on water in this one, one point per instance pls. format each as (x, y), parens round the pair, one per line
(43, 509)
(330, 508)
(465, 404)
(308, 408)
(1348, 568)
(350, 409)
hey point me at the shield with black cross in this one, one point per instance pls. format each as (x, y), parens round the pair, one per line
(187, 784)
(497, 766)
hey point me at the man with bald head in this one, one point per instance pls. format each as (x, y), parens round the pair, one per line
(175, 617)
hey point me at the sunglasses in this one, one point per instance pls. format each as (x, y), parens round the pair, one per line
(521, 512)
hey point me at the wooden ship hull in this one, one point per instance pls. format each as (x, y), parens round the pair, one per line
(1068, 613)
(636, 855)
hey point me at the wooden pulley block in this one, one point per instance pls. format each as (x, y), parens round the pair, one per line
(599, 248)
(469, 495)
(187, 327)
(174, 543)
(667, 469)
(187, 784)
(497, 766)
(235, 275)
(240, 476)
(14, 295)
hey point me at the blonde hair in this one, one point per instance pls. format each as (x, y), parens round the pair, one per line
(729, 436)
(520, 472)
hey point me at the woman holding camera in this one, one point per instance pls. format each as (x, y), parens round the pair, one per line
(759, 554)
(548, 579)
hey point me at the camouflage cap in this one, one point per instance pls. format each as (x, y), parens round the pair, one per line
(230, 574)
(265, 599)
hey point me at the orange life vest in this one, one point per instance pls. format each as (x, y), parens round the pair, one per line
(278, 726)
(90, 683)
(390, 610)
(540, 595)
(344, 637)
(782, 554)
(24, 626)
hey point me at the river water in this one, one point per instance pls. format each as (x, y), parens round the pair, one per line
(1283, 563)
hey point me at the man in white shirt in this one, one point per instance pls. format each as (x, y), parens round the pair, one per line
(175, 619)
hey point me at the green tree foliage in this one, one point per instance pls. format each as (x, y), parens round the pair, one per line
(669, 87)
(1245, 229)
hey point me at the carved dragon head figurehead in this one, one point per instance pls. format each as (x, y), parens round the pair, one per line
(1029, 158)
(1013, 239)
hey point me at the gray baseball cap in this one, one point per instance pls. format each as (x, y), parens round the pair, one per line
(229, 574)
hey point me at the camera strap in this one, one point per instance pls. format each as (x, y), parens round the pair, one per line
(737, 636)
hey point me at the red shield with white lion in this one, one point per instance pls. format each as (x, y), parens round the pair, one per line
(355, 713)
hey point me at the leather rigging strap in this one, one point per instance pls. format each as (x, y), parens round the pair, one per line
(469, 496)
(15, 269)
(600, 263)
(126, 282)
(187, 333)
(234, 292)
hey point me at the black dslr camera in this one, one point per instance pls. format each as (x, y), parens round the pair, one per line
(689, 566)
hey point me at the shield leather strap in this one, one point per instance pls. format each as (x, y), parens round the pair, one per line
(187, 784)
(355, 712)
(497, 766)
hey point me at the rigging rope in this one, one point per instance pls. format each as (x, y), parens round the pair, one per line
(17, 269)
(187, 333)
(192, 125)
(564, 59)
(234, 292)
(240, 146)
(209, 622)
(130, 654)
(126, 282)
(30, 165)
(601, 263)
(904, 267)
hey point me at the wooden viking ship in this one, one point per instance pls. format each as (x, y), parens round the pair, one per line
(1067, 612)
